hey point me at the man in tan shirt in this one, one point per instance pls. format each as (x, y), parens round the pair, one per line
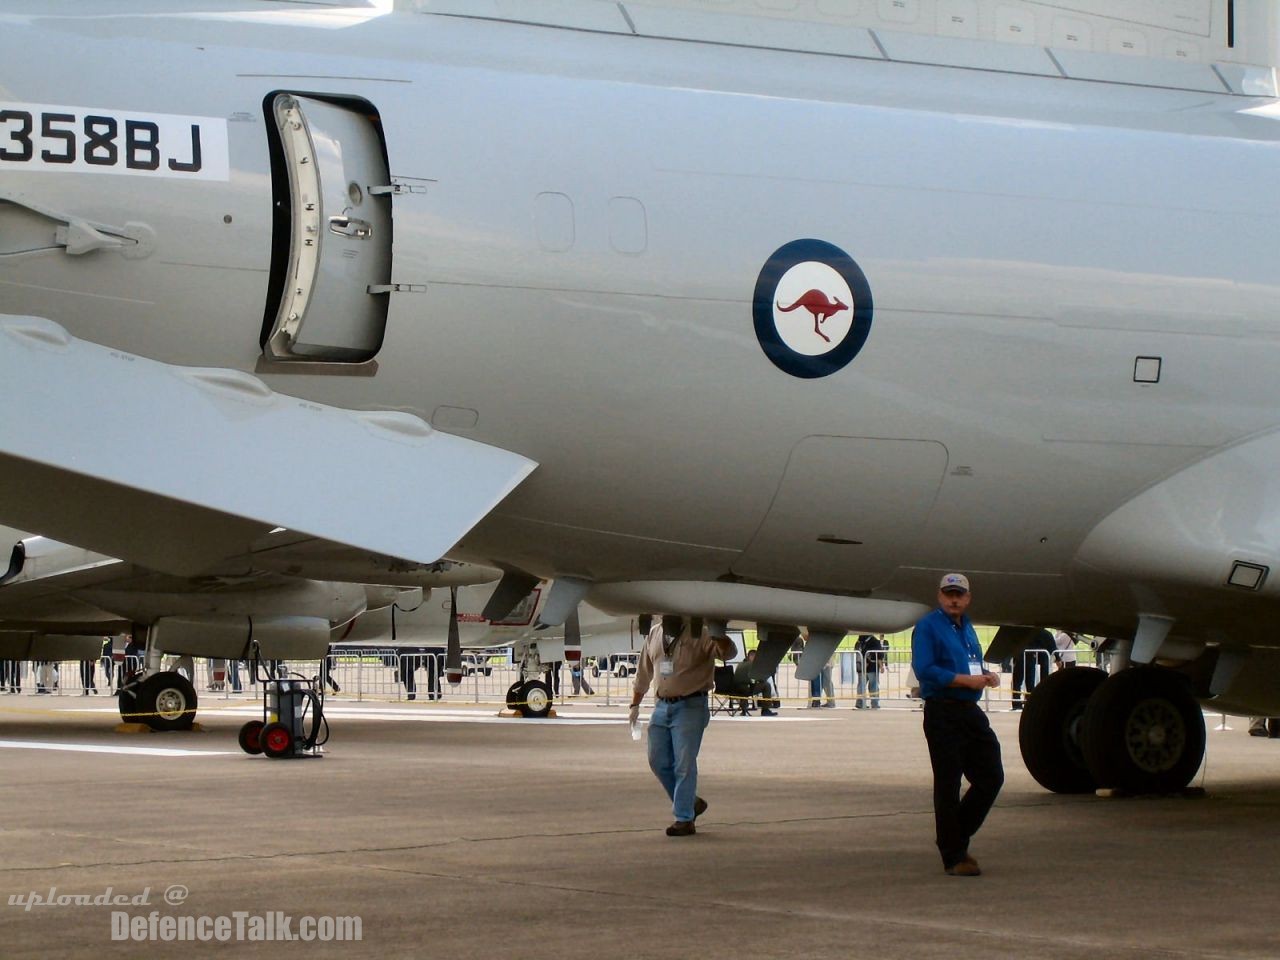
(683, 667)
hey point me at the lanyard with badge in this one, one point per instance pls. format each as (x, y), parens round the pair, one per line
(975, 660)
(974, 650)
(667, 666)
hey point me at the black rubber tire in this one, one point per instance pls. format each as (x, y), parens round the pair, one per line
(1049, 731)
(277, 741)
(251, 737)
(127, 698)
(166, 701)
(515, 695)
(1143, 732)
(621, 671)
(537, 700)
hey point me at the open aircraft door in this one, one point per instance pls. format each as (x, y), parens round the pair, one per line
(333, 232)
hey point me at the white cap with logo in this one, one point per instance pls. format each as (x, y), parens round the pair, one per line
(954, 582)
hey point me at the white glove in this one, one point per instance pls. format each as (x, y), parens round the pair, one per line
(634, 715)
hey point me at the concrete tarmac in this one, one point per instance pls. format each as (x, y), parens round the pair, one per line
(452, 834)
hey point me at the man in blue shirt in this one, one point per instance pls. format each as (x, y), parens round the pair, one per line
(947, 660)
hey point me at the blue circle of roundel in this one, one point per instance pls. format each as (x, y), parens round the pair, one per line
(781, 355)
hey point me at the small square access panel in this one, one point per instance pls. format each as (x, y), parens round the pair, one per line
(1248, 576)
(1146, 370)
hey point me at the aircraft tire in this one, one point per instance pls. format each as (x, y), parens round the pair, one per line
(537, 699)
(251, 737)
(1144, 731)
(515, 695)
(127, 698)
(277, 741)
(1049, 731)
(166, 701)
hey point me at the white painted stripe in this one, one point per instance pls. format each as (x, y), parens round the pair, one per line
(480, 714)
(98, 748)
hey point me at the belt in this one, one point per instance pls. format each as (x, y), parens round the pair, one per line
(951, 701)
(687, 696)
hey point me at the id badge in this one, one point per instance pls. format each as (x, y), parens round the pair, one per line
(975, 668)
(666, 668)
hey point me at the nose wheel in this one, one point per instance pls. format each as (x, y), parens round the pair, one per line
(530, 698)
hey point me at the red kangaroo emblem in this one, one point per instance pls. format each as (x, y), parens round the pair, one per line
(816, 302)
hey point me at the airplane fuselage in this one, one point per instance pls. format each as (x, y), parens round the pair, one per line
(1070, 286)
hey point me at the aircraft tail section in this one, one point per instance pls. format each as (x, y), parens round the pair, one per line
(207, 460)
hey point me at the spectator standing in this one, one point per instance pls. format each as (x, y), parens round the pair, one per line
(947, 658)
(1065, 653)
(869, 661)
(1032, 665)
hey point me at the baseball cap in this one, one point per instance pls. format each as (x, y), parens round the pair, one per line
(954, 581)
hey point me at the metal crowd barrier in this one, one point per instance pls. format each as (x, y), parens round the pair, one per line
(381, 674)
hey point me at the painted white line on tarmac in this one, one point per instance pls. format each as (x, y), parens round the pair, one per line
(97, 748)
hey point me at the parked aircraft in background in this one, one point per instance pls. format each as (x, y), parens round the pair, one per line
(701, 308)
(535, 645)
(58, 602)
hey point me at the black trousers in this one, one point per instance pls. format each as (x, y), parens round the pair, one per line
(961, 743)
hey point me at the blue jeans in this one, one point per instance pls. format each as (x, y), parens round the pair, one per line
(869, 682)
(675, 735)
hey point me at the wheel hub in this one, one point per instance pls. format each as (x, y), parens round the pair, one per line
(536, 698)
(1155, 735)
(171, 704)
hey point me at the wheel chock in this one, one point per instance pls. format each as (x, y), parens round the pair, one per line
(196, 727)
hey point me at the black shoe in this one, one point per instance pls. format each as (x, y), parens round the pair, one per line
(768, 713)
(412, 696)
(1016, 706)
(682, 828)
(699, 807)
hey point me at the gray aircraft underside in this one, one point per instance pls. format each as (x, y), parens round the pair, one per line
(738, 314)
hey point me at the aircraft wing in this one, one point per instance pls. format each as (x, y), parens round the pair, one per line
(205, 461)
(285, 552)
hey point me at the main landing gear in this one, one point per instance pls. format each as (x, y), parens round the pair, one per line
(163, 701)
(1140, 730)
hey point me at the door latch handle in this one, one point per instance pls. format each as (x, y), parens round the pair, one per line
(351, 227)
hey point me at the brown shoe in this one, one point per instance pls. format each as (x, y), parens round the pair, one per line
(699, 807)
(682, 828)
(968, 867)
